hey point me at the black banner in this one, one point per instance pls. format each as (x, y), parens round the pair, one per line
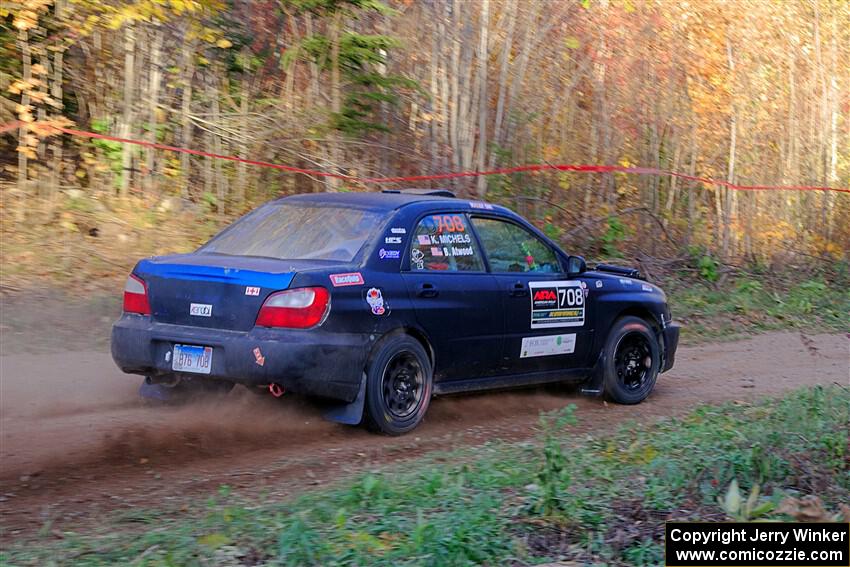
(767, 544)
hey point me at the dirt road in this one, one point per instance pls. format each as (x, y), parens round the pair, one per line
(76, 443)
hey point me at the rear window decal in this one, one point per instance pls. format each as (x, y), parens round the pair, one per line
(443, 242)
(556, 304)
(252, 290)
(351, 278)
(418, 258)
(548, 345)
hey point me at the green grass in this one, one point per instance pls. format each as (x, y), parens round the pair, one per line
(756, 306)
(593, 498)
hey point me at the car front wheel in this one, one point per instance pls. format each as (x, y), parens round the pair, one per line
(398, 385)
(632, 360)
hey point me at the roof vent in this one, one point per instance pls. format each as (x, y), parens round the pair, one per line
(430, 192)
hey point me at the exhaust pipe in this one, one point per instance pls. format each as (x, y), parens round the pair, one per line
(276, 390)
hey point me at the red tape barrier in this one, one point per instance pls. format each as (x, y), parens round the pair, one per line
(452, 175)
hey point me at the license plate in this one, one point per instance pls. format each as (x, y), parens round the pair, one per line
(189, 358)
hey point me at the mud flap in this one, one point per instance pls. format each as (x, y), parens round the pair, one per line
(593, 385)
(352, 413)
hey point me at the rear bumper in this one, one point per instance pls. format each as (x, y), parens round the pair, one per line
(671, 342)
(310, 362)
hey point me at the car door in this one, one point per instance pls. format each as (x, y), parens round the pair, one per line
(456, 301)
(545, 312)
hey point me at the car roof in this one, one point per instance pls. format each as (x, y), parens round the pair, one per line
(371, 200)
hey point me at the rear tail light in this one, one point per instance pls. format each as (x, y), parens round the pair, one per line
(300, 308)
(136, 296)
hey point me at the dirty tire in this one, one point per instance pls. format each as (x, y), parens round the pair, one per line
(632, 358)
(398, 385)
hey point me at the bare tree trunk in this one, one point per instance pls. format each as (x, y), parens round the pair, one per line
(481, 189)
(511, 8)
(188, 69)
(692, 189)
(56, 94)
(242, 168)
(671, 194)
(730, 169)
(832, 177)
(155, 78)
(336, 96)
(125, 128)
(23, 163)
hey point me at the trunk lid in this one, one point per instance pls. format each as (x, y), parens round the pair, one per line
(214, 290)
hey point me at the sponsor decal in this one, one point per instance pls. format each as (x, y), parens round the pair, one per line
(646, 287)
(556, 304)
(385, 254)
(398, 230)
(375, 299)
(200, 310)
(351, 278)
(481, 205)
(598, 283)
(392, 240)
(625, 281)
(548, 345)
(424, 240)
(251, 290)
(418, 258)
(258, 357)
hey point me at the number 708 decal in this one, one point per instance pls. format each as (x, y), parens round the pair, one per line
(556, 304)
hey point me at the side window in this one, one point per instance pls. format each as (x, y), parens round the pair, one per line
(443, 243)
(511, 248)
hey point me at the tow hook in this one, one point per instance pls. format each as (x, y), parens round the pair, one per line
(276, 390)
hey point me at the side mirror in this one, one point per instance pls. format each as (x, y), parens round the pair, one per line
(576, 265)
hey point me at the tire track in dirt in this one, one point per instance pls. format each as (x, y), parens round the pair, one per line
(75, 443)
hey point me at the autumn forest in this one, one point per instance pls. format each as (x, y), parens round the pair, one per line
(753, 92)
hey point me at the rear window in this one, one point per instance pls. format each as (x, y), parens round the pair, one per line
(297, 232)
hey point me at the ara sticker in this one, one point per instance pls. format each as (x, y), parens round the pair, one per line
(351, 278)
(251, 290)
(598, 283)
(258, 357)
(398, 230)
(392, 240)
(376, 301)
(548, 345)
(556, 304)
(385, 254)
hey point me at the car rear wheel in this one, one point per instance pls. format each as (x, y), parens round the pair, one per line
(398, 385)
(632, 359)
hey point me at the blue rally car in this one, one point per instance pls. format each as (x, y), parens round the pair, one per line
(379, 301)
